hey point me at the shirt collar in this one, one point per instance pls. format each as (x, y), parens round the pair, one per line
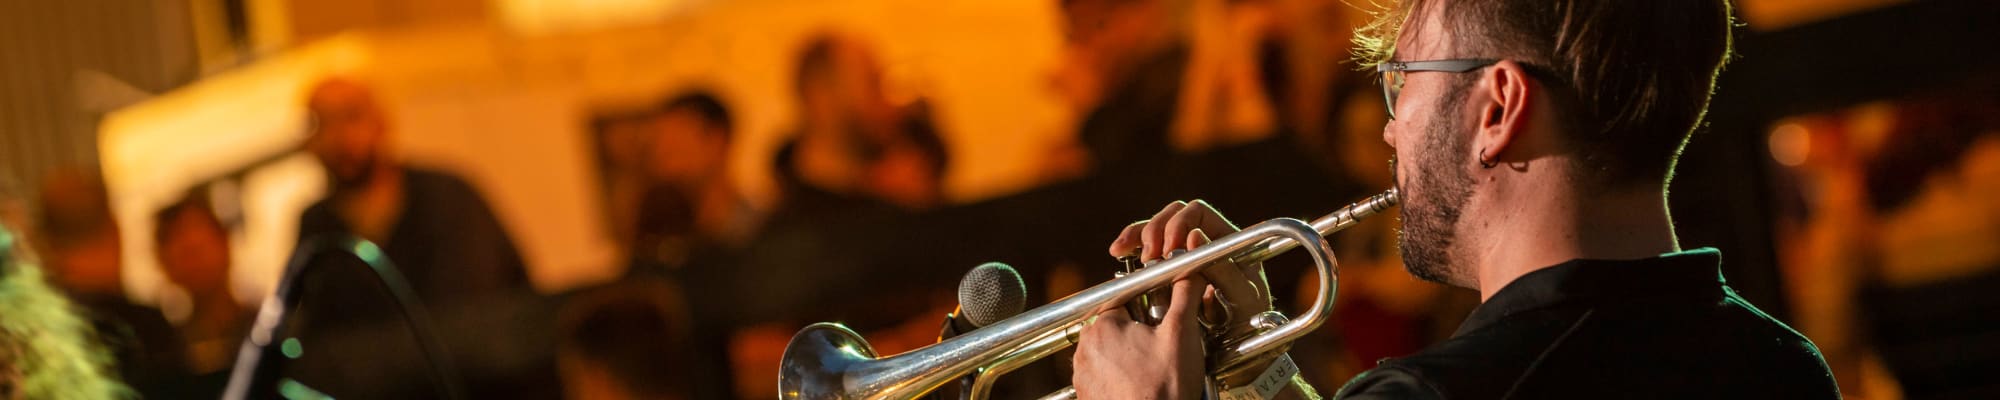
(1691, 272)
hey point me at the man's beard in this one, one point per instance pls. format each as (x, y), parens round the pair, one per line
(355, 174)
(1430, 214)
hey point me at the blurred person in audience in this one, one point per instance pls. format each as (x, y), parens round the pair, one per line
(1890, 257)
(839, 97)
(627, 340)
(48, 350)
(692, 226)
(853, 148)
(1148, 78)
(193, 249)
(621, 147)
(691, 203)
(1123, 68)
(434, 225)
(82, 247)
(690, 221)
(856, 165)
(910, 170)
(443, 237)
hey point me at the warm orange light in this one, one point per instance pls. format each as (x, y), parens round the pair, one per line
(554, 16)
(1790, 144)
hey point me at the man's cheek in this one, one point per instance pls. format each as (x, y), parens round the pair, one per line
(1399, 168)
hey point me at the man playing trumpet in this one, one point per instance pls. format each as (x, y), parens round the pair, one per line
(1536, 140)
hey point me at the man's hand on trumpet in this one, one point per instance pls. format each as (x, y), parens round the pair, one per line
(1120, 358)
(1117, 357)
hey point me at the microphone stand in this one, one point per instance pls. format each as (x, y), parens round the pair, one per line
(950, 330)
(259, 360)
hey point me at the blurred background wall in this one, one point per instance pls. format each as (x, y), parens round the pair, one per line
(108, 75)
(475, 86)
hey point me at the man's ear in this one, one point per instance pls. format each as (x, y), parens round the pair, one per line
(1504, 118)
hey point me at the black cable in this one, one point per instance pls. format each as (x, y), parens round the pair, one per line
(254, 375)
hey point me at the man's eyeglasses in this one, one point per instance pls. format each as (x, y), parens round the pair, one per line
(1392, 74)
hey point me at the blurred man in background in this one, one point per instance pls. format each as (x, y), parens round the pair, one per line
(439, 232)
(1125, 62)
(823, 169)
(84, 251)
(857, 165)
(434, 225)
(910, 171)
(620, 141)
(691, 203)
(193, 248)
(854, 148)
(691, 222)
(628, 340)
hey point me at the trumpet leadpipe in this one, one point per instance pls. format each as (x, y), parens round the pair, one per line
(1336, 221)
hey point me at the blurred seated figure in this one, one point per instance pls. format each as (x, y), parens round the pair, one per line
(856, 167)
(1889, 249)
(853, 149)
(691, 221)
(432, 224)
(442, 236)
(691, 203)
(839, 103)
(1123, 70)
(626, 340)
(911, 168)
(47, 350)
(620, 141)
(81, 245)
(193, 249)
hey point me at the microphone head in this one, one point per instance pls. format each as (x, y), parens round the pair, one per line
(990, 293)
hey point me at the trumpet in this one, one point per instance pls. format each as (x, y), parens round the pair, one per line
(830, 361)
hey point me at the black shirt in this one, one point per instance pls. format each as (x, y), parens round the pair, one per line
(1663, 327)
(447, 241)
(467, 273)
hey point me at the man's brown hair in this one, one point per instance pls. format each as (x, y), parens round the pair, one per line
(1636, 75)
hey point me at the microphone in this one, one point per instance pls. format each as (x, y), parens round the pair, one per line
(990, 293)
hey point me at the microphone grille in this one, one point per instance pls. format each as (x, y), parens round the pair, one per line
(990, 293)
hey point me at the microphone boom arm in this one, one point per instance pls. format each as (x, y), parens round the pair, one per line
(254, 374)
